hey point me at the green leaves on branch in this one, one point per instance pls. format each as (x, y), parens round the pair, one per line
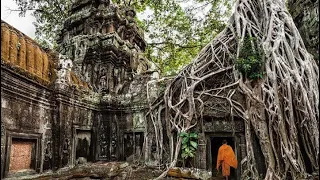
(250, 61)
(189, 144)
(178, 30)
(49, 17)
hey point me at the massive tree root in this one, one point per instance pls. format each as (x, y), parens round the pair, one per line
(282, 108)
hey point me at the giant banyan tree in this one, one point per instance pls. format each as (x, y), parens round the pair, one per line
(281, 107)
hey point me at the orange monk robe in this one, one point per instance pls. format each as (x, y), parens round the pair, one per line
(226, 158)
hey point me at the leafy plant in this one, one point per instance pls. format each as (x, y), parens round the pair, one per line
(189, 144)
(250, 60)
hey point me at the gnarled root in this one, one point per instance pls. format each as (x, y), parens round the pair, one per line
(282, 108)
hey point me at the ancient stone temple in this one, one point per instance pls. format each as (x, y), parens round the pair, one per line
(84, 103)
(88, 101)
(104, 44)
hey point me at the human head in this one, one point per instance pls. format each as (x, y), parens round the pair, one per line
(224, 141)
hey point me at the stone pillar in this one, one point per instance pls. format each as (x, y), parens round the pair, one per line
(38, 67)
(45, 68)
(56, 144)
(202, 152)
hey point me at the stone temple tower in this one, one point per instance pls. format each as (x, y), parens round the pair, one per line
(104, 43)
(106, 47)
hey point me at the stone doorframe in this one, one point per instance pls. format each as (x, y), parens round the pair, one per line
(23, 136)
(74, 136)
(237, 149)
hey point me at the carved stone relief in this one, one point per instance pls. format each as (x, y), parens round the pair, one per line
(114, 140)
(66, 152)
(227, 125)
(138, 120)
(26, 120)
(103, 81)
(47, 161)
(35, 120)
(103, 140)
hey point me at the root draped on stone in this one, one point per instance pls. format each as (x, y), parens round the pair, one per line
(282, 108)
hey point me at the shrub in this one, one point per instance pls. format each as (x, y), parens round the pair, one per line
(189, 144)
(250, 61)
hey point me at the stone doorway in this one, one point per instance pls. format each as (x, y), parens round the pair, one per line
(133, 142)
(213, 144)
(83, 146)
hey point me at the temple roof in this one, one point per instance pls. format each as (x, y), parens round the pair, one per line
(93, 17)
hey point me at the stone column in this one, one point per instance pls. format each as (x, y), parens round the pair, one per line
(202, 151)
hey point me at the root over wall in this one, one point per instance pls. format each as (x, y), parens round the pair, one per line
(282, 108)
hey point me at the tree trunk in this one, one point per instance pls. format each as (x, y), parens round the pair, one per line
(282, 107)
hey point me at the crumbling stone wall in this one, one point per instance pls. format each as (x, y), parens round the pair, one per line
(29, 108)
(26, 113)
(25, 54)
(71, 115)
(62, 111)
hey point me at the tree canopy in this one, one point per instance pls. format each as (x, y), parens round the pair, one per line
(175, 30)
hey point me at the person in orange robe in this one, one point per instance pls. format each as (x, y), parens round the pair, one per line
(226, 158)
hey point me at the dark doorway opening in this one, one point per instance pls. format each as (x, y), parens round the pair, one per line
(83, 146)
(133, 142)
(216, 142)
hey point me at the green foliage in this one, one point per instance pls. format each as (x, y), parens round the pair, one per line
(175, 30)
(189, 144)
(49, 17)
(250, 60)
